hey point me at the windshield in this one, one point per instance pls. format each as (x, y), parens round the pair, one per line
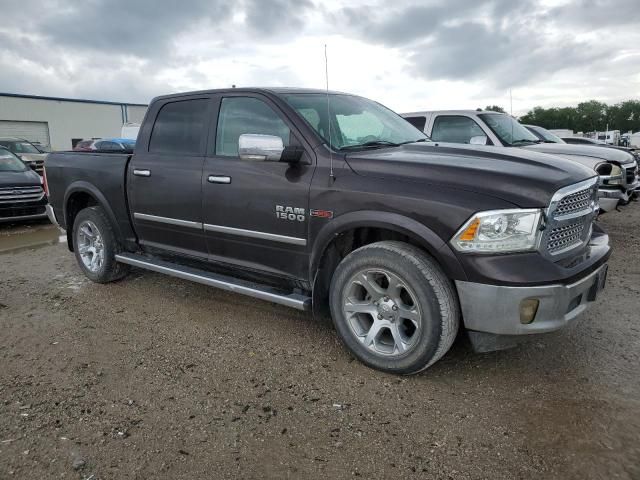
(354, 121)
(10, 163)
(547, 136)
(508, 129)
(21, 147)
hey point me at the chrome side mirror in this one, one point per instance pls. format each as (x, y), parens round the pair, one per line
(478, 140)
(253, 146)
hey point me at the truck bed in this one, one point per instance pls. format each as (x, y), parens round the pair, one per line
(103, 175)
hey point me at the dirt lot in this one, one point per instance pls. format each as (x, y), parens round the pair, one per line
(153, 377)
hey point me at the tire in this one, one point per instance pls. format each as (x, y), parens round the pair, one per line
(102, 249)
(393, 307)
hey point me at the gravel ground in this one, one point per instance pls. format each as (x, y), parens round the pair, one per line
(153, 377)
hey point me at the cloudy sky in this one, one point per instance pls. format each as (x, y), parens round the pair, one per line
(409, 55)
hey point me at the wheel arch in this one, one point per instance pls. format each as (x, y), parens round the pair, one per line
(81, 195)
(353, 230)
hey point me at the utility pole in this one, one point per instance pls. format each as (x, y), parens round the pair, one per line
(511, 101)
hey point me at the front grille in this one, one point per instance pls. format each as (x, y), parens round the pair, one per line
(630, 173)
(22, 211)
(567, 236)
(20, 194)
(570, 218)
(574, 202)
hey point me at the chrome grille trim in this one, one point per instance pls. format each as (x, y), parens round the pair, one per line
(575, 204)
(565, 237)
(570, 217)
(630, 174)
(20, 194)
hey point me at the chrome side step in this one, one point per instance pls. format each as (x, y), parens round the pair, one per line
(223, 282)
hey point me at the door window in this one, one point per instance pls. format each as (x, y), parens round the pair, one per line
(240, 115)
(455, 129)
(180, 128)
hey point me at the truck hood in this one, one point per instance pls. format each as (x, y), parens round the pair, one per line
(523, 178)
(599, 154)
(27, 178)
(32, 157)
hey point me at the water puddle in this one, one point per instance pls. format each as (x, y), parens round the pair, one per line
(16, 238)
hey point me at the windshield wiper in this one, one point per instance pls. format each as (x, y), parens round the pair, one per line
(415, 141)
(373, 143)
(524, 141)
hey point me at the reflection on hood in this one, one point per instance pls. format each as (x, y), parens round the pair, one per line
(598, 153)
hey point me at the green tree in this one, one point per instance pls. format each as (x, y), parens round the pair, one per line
(592, 116)
(494, 108)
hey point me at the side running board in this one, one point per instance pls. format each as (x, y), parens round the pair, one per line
(256, 290)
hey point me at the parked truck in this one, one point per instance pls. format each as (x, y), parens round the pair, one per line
(21, 194)
(618, 170)
(348, 211)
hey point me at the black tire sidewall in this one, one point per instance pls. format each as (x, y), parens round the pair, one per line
(431, 328)
(98, 217)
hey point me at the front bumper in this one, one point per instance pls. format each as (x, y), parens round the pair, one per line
(609, 198)
(20, 212)
(52, 215)
(495, 309)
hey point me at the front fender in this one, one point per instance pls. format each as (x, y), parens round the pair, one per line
(418, 232)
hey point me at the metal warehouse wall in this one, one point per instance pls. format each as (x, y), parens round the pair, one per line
(71, 119)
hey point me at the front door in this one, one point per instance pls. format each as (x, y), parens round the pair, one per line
(165, 178)
(255, 213)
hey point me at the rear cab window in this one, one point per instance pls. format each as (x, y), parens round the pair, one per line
(180, 127)
(419, 122)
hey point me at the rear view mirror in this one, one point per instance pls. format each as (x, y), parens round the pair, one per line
(478, 140)
(252, 146)
(269, 148)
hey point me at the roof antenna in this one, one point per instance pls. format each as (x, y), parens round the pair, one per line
(326, 74)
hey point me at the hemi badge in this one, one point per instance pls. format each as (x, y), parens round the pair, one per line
(321, 213)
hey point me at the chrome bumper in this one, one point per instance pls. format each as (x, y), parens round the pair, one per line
(496, 309)
(51, 215)
(609, 199)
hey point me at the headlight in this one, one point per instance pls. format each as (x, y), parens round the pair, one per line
(610, 174)
(500, 231)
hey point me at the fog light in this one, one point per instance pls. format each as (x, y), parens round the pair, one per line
(528, 310)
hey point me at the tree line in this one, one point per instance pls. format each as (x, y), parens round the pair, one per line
(586, 117)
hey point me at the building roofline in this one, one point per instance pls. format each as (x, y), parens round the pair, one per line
(74, 100)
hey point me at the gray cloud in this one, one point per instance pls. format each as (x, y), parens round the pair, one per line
(86, 47)
(274, 17)
(500, 43)
(129, 50)
(144, 28)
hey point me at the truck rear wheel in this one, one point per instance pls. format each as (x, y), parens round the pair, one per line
(95, 246)
(393, 307)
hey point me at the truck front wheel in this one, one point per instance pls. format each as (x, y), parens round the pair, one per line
(393, 307)
(95, 246)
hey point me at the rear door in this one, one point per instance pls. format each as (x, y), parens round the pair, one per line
(165, 177)
(255, 213)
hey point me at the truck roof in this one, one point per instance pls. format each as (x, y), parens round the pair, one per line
(272, 90)
(450, 112)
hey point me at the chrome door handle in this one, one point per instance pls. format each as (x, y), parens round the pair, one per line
(219, 179)
(142, 173)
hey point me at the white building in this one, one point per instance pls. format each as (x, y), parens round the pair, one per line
(61, 122)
